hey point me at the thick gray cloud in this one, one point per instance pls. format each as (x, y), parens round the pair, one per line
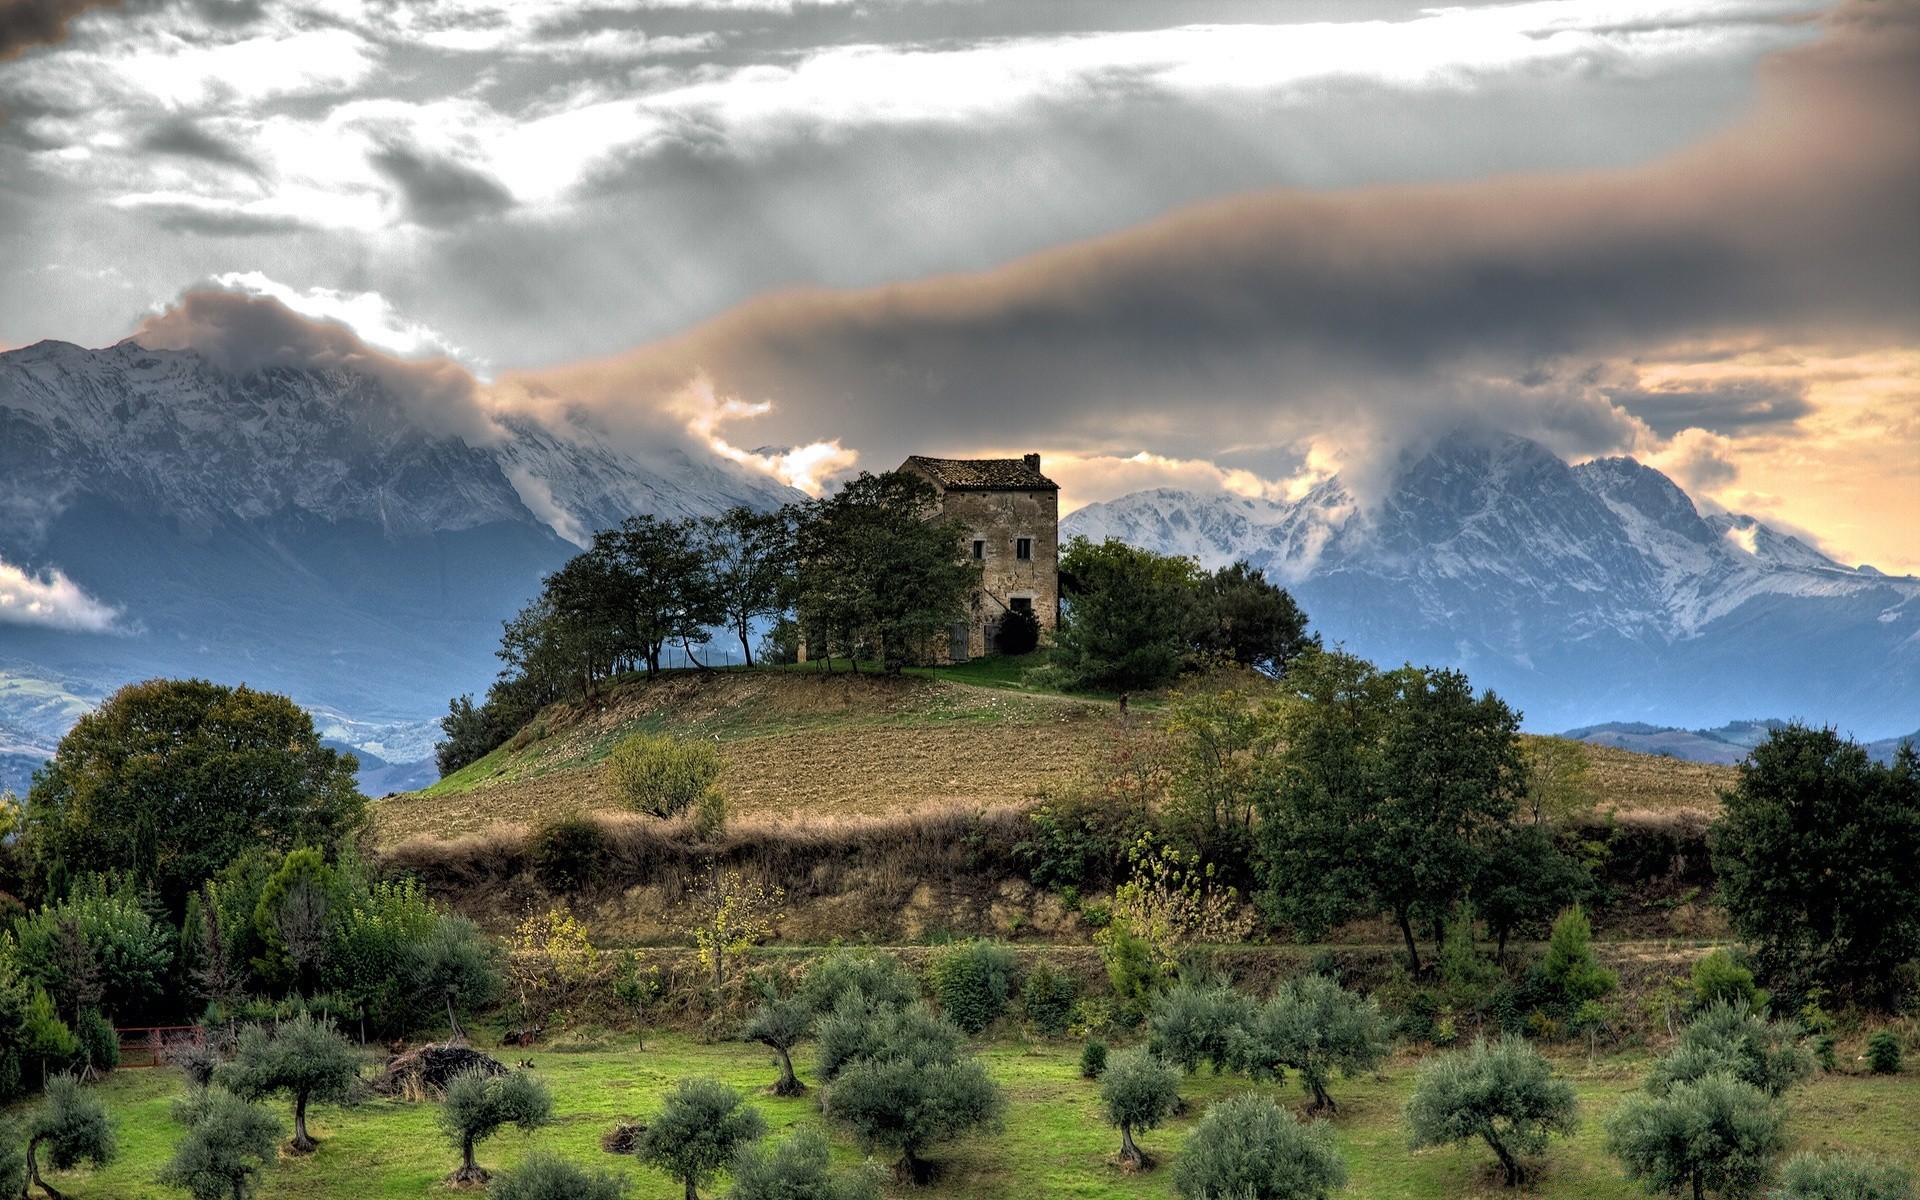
(440, 192)
(1728, 409)
(28, 23)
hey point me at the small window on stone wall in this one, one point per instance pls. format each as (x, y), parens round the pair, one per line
(979, 548)
(1023, 549)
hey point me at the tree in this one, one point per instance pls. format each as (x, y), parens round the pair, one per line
(1128, 616)
(293, 916)
(1842, 1177)
(71, 1126)
(1503, 1093)
(1817, 858)
(876, 568)
(1247, 620)
(750, 559)
(780, 1025)
(907, 1107)
(972, 982)
(543, 1176)
(1247, 1149)
(1527, 879)
(1139, 1091)
(1730, 1040)
(97, 949)
(1217, 742)
(1317, 1027)
(303, 1058)
(479, 1105)
(700, 1128)
(1570, 967)
(1194, 1022)
(796, 1168)
(859, 1028)
(228, 1142)
(1713, 1134)
(731, 915)
(877, 976)
(660, 774)
(660, 576)
(13, 1159)
(171, 779)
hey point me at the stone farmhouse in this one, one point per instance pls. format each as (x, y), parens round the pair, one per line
(1012, 515)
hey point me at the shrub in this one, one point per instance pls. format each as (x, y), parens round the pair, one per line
(1317, 1027)
(1047, 997)
(860, 1029)
(1246, 1148)
(1093, 1059)
(879, 977)
(1019, 632)
(196, 1062)
(1730, 1040)
(1131, 971)
(780, 1025)
(479, 1105)
(1883, 1053)
(1189, 1023)
(1717, 979)
(71, 1126)
(229, 1141)
(13, 1159)
(796, 1168)
(1713, 1134)
(1139, 1091)
(568, 854)
(699, 1129)
(662, 775)
(545, 1176)
(1570, 968)
(1503, 1093)
(303, 1058)
(972, 982)
(99, 1041)
(1842, 1177)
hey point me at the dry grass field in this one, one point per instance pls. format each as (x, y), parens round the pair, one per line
(808, 745)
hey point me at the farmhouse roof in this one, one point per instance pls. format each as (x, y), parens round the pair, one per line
(984, 474)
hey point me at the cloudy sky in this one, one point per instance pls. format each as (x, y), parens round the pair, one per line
(1211, 243)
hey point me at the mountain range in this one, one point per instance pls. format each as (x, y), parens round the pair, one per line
(1584, 594)
(296, 528)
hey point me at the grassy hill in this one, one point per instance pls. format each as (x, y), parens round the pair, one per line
(801, 743)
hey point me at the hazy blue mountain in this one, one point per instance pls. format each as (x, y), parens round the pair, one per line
(1584, 594)
(294, 529)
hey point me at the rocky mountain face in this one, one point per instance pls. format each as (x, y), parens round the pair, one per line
(1583, 594)
(296, 529)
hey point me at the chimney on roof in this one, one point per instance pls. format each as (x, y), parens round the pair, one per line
(1033, 462)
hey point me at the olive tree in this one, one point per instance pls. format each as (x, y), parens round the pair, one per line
(549, 1177)
(780, 1025)
(1247, 1149)
(1842, 1177)
(1714, 1134)
(1316, 1027)
(700, 1128)
(71, 1126)
(878, 977)
(1503, 1093)
(796, 1168)
(229, 1141)
(480, 1105)
(1190, 1023)
(1731, 1039)
(906, 1107)
(303, 1058)
(1139, 1091)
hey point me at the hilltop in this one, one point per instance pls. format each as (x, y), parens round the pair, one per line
(801, 743)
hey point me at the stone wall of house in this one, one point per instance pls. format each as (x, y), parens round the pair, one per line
(995, 522)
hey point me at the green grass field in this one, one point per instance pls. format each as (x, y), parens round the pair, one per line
(1054, 1143)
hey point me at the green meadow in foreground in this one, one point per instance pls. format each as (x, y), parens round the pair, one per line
(1053, 1143)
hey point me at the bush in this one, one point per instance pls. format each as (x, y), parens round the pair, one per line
(1842, 1177)
(878, 977)
(1503, 1093)
(699, 1129)
(303, 1058)
(1883, 1053)
(568, 855)
(229, 1141)
(1570, 968)
(1717, 979)
(797, 1168)
(1047, 998)
(1316, 1027)
(1246, 1148)
(1726, 1039)
(13, 1159)
(1019, 632)
(1139, 1091)
(972, 982)
(1093, 1059)
(479, 1105)
(662, 775)
(1714, 1134)
(544, 1176)
(1190, 1023)
(99, 1041)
